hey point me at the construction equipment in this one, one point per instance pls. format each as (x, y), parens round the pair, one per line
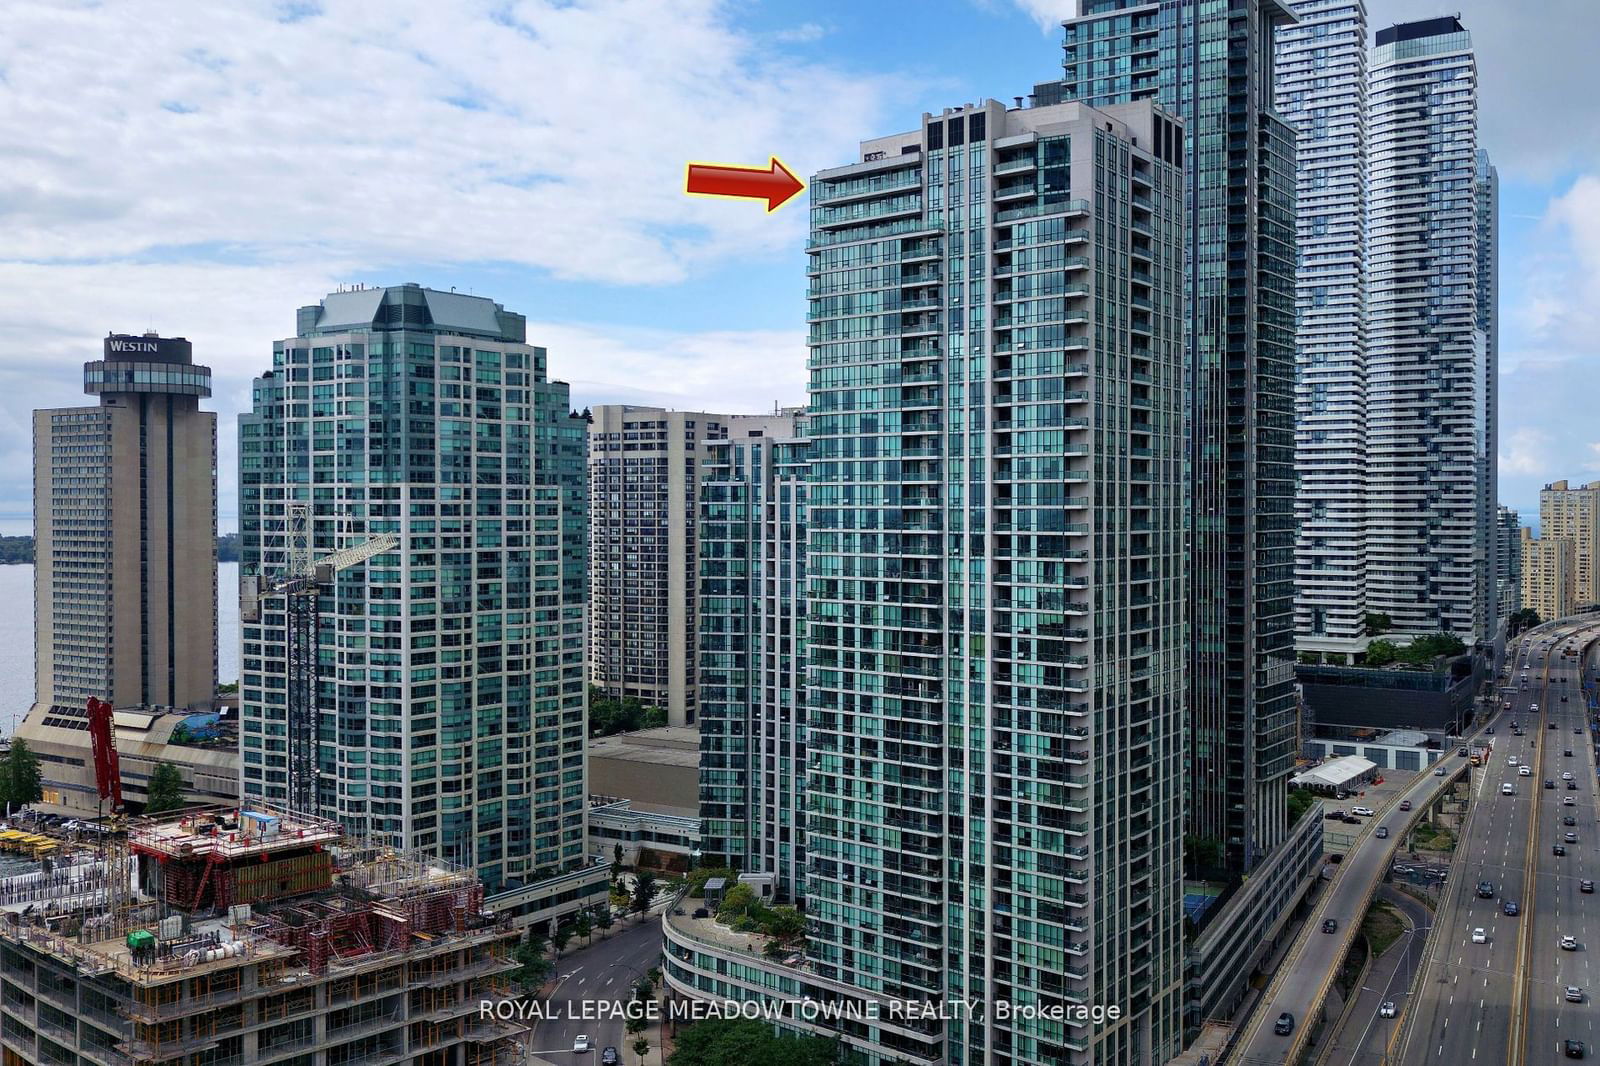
(103, 738)
(302, 586)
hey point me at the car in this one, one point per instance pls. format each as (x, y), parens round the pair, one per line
(1351, 819)
(1558, 849)
(1567, 753)
(1335, 816)
(1567, 819)
(1563, 697)
(1525, 771)
(1586, 885)
(1284, 1025)
(1479, 936)
(1572, 786)
(582, 1044)
(1365, 812)
(1387, 1009)
(1573, 1049)
(1330, 925)
(1566, 801)
(1461, 752)
(1577, 730)
(1489, 731)
(1566, 775)
(1511, 761)
(1509, 907)
(1534, 707)
(1571, 838)
(1438, 771)
(1508, 789)
(1405, 805)
(1573, 994)
(702, 912)
(1549, 783)
(1569, 943)
(1552, 725)
(1382, 833)
(610, 1057)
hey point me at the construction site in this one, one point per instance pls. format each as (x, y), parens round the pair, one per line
(226, 936)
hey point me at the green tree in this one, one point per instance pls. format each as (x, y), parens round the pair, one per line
(644, 890)
(1300, 801)
(747, 1042)
(166, 789)
(616, 859)
(604, 918)
(561, 938)
(1378, 624)
(641, 1048)
(533, 967)
(21, 785)
(584, 926)
(1382, 653)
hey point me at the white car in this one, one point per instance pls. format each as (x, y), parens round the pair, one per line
(582, 1044)
(1566, 801)
(1569, 943)
(1566, 775)
(1511, 761)
(1387, 1010)
(1508, 789)
(1534, 707)
(1479, 936)
(1574, 994)
(1366, 811)
(1525, 771)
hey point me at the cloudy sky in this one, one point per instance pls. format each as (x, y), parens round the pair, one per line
(204, 169)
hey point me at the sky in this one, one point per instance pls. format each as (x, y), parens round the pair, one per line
(202, 170)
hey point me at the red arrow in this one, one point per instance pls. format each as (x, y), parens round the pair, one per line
(774, 183)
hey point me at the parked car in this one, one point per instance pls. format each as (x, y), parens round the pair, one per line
(1335, 816)
(1284, 1025)
(1365, 812)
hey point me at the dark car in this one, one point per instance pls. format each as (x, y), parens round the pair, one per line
(1563, 697)
(702, 912)
(1490, 731)
(1572, 1048)
(1548, 783)
(609, 1057)
(1572, 786)
(1552, 725)
(1586, 885)
(1510, 908)
(1335, 816)
(1486, 890)
(1285, 1025)
(1329, 925)
(1558, 849)
(1461, 751)
(1568, 819)
(1567, 753)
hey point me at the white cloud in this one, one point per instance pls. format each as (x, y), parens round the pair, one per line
(538, 132)
(1525, 451)
(1049, 14)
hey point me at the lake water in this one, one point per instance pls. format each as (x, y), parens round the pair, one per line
(16, 635)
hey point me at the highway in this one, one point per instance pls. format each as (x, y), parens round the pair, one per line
(1302, 982)
(602, 973)
(1468, 1004)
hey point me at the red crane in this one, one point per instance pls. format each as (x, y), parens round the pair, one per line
(107, 776)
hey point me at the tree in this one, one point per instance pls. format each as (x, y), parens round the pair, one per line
(616, 859)
(561, 938)
(1200, 854)
(21, 784)
(1382, 653)
(739, 902)
(747, 1042)
(604, 918)
(1300, 801)
(166, 790)
(644, 891)
(1378, 624)
(641, 1048)
(533, 966)
(584, 926)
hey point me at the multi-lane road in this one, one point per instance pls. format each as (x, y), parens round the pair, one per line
(1494, 1000)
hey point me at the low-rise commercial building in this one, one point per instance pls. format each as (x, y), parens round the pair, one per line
(1337, 775)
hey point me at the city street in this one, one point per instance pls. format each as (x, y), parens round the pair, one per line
(604, 972)
(1468, 1001)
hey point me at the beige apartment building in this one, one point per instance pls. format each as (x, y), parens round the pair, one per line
(1548, 567)
(645, 465)
(1573, 513)
(125, 527)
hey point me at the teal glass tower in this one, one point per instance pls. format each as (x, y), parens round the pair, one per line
(1210, 62)
(450, 689)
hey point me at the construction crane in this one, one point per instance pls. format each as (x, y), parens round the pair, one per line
(103, 740)
(302, 586)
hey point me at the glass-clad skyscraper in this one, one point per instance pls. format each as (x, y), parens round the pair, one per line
(450, 688)
(996, 578)
(752, 546)
(1210, 62)
(1429, 363)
